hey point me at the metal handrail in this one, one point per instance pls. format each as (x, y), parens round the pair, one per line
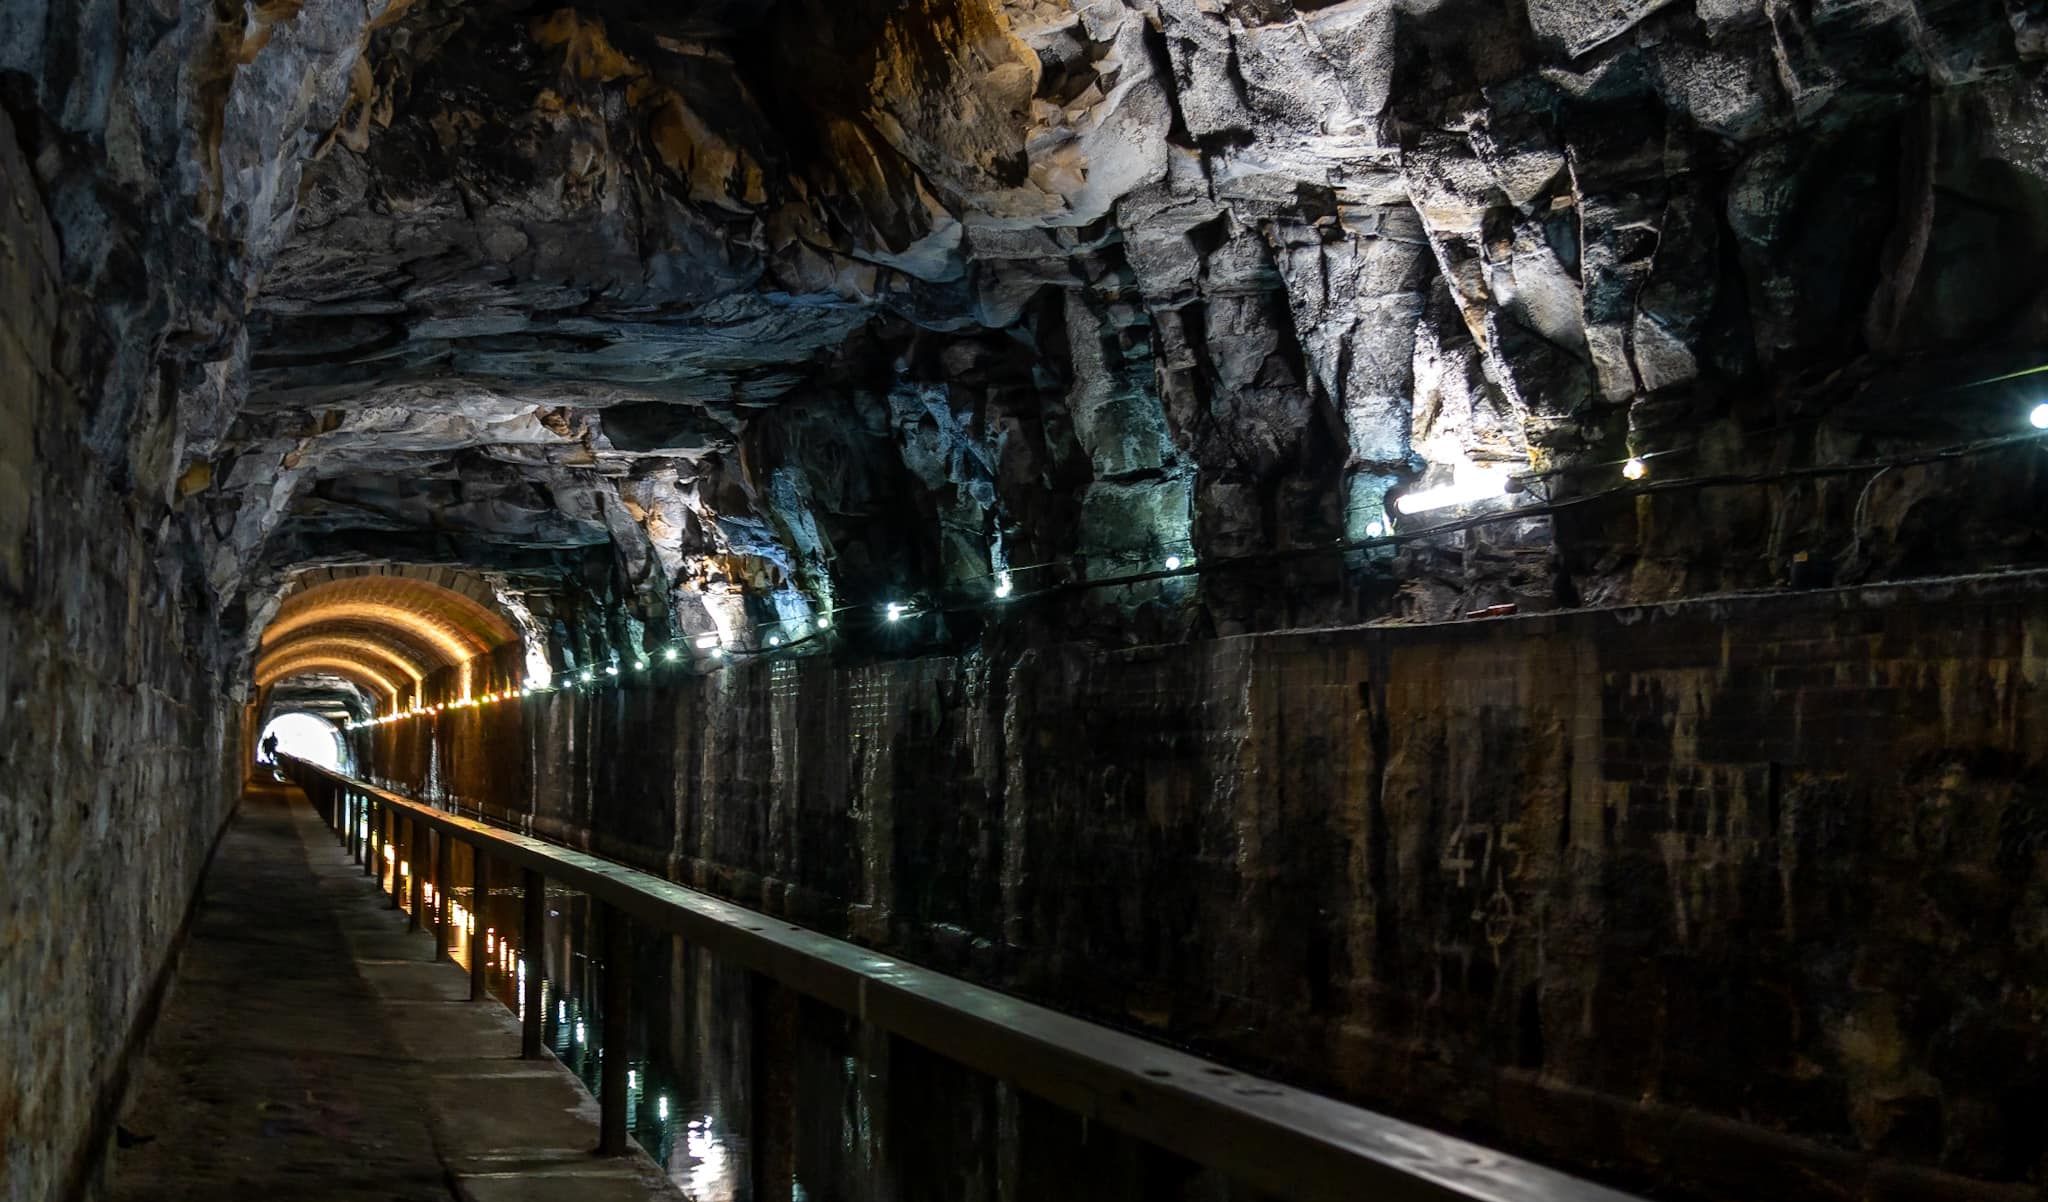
(1270, 1135)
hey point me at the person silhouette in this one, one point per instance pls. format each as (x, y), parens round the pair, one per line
(270, 748)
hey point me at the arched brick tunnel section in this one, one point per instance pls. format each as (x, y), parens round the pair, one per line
(387, 631)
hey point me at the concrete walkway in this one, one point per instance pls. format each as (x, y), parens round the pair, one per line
(311, 1049)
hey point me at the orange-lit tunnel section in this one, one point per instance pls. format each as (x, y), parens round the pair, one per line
(384, 633)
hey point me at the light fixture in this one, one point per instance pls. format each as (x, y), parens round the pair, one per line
(1173, 563)
(824, 621)
(895, 612)
(670, 653)
(2039, 417)
(587, 676)
(1376, 528)
(706, 642)
(715, 653)
(1635, 468)
(611, 669)
(1004, 585)
(661, 1106)
(1470, 484)
(775, 640)
(639, 665)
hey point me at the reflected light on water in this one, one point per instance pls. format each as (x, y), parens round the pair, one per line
(709, 1176)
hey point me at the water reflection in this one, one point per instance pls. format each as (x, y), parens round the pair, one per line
(745, 1092)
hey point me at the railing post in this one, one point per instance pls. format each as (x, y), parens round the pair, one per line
(397, 857)
(358, 824)
(370, 817)
(611, 1139)
(444, 868)
(480, 876)
(419, 874)
(771, 1060)
(532, 939)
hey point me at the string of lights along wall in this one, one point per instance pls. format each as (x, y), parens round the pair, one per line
(1473, 487)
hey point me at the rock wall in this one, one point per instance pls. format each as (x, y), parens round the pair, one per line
(1701, 896)
(116, 746)
(772, 308)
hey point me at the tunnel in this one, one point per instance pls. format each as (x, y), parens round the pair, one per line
(1024, 600)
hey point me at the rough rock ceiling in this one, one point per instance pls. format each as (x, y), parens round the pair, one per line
(738, 312)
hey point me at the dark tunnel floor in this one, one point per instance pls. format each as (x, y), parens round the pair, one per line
(312, 1049)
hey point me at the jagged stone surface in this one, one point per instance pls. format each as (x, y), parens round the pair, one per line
(792, 305)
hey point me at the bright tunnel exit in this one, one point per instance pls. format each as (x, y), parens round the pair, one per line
(310, 738)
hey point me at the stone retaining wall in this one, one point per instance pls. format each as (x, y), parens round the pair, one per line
(1743, 895)
(115, 748)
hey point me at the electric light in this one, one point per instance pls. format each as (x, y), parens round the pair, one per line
(824, 621)
(1173, 563)
(2039, 417)
(611, 669)
(639, 665)
(775, 640)
(1471, 484)
(706, 642)
(1375, 529)
(715, 653)
(1635, 468)
(632, 1079)
(587, 676)
(895, 612)
(670, 653)
(1004, 585)
(661, 1106)
(579, 1032)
